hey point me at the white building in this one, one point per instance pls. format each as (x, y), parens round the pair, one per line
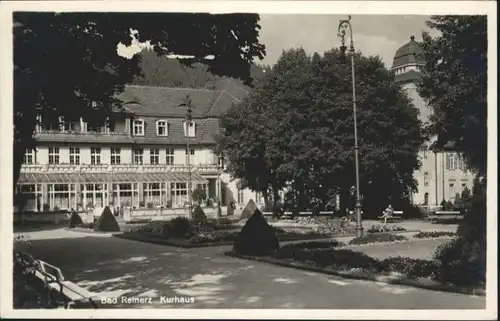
(443, 174)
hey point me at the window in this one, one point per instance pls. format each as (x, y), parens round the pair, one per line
(426, 179)
(138, 156)
(161, 128)
(191, 159)
(62, 196)
(258, 197)
(29, 157)
(155, 156)
(115, 156)
(74, 156)
(64, 125)
(93, 195)
(178, 194)
(32, 196)
(425, 153)
(38, 127)
(451, 161)
(170, 156)
(220, 161)
(53, 155)
(95, 156)
(461, 162)
(452, 190)
(109, 125)
(138, 127)
(189, 130)
(126, 194)
(153, 193)
(241, 199)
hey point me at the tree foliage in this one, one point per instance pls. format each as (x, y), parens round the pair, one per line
(297, 127)
(454, 84)
(66, 64)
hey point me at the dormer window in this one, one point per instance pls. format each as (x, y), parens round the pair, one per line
(64, 125)
(38, 127)
(161, 128)
(189, 130)
(138, 127)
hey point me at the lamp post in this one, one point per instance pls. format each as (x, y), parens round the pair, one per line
(343, 25)
(187, 103)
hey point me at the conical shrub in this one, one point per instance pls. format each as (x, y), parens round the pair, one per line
(199, 214)
(75, 220)
(107, 222)
(249, 210)
(257, 237)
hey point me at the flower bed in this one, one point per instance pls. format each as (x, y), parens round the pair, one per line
(378, 238)
(385, 228)
(326, 225)
(433, 234)
(326, 258)
(183, 233)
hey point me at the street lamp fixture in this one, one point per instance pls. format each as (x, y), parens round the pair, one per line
(189, 119)
(343, 26)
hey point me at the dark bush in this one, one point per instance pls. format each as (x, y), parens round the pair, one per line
(473, 225)
(314, 245)
(377, 238)
(167, 230)
(179, 227)
(424, 235)
(413, 211)
(199, 215)
(107, 222)
(249, 209)
(257, 237)
(462, 262)
(409, 266)
(75, 220)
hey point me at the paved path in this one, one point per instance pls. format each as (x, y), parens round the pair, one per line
(115, 267)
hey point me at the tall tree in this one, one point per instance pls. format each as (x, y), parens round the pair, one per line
(304, 109)
(66, 64)
(454, 85)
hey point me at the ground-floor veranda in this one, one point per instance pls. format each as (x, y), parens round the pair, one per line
(66, 191)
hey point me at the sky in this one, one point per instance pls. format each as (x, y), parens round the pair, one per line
(373, 34)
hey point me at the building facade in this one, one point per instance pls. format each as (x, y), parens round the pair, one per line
(443, 174)
(139, 158)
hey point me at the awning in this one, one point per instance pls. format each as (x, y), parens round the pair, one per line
(62, 178)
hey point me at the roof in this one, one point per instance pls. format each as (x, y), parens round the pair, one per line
(409, 53)
(166, 101)
(35, 178)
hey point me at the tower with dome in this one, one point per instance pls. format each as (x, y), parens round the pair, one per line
(443, 173)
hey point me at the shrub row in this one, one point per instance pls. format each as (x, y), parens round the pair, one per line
(424, 235)
(377, 238)
(457, 262)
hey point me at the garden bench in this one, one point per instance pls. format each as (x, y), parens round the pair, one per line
(288, 215)
(53, 278)
(445, 215)
(395, 216)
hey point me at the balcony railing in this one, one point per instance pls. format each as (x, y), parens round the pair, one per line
(106, 168)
